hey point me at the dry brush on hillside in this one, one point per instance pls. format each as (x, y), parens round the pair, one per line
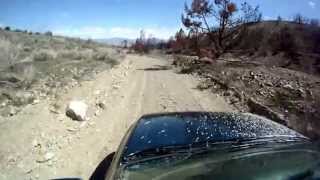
(43, 66)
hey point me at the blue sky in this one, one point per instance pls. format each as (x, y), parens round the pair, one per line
(122, 18)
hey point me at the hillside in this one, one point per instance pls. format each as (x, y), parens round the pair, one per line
(39, 66)
(284, 44)
(273, 69)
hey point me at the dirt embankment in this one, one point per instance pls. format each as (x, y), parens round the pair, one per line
(283, 95)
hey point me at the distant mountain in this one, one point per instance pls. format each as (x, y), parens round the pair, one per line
(119, 41)
(115, 41)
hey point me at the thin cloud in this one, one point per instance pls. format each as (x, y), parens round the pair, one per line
(312, 4)
(95, 32)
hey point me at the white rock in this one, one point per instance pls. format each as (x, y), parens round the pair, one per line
(115, 86)
(83, 124)
(97, 113)
(36, 101)
(35, 143)
(47, 157)
(97, 92)
(77, 110)
(288, 86)
(12, 111)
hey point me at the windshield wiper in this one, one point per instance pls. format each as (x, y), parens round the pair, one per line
(201, 147)
(177, 149)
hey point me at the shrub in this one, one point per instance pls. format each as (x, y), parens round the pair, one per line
(27, 49)
(105, 57)
(283, 41)
(251, 39)
(43, 56)
(73, 54)
(7, 28)
(113, 62)
(100, 56)
(9, 52)
(48, 33)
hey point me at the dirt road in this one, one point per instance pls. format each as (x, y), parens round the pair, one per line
(41, 142)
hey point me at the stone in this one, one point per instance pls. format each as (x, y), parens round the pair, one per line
(47, 157)
(101, 105)
(77, 110)
(36, 101)
(227, 93)
(288, 86)
(97, 113)
(35, 143)
(97, 92)
(12, 111)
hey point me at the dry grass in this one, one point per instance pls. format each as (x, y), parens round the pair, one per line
(44, 55)
(45, 64)
(9, 52)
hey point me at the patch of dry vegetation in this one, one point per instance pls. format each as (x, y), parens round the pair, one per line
(39, 66)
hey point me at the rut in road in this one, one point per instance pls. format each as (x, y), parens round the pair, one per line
(139, 85)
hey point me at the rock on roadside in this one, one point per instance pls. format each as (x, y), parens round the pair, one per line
(77, 110)
(47, 157)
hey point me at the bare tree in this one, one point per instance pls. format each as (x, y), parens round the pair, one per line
(279, 20)
(139, 45)
(225, 24)
(125, 43)
(181, 39)
(250, 13)
(298, 18)
(142, 37)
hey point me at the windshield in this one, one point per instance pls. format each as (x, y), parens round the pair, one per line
(274, 162)
(194, 129)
